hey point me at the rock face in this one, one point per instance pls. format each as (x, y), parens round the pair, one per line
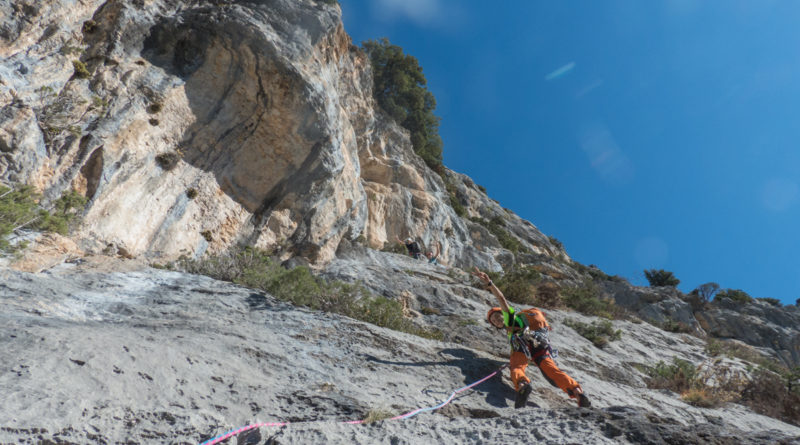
(195, 125)
(191, 126)
(99, 351)
(758, 324)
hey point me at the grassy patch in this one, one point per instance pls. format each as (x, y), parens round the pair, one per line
(679, 376)
(600, 333)
(519, 284)
(701, 397)
(80, 70)
(709, 389)
(255, 269)
(496, 227)
(376, 415)
(675, 326)
(586, 299)
(768, 394)
(744, 352)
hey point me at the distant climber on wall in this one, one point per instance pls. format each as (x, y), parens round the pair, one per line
(433, 255)
(411, 246)
(527, 332)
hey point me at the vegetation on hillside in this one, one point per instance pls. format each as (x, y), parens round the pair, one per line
(661, 277)
(526, 285)
(774, 394)
(256, 269)
(706, 291)
(519, 284)
(600, 332)
(496, 227)
(19, 208)
(400, 89)
(736, 295)
(586, 299)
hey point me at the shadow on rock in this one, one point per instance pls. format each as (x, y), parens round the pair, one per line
(259, 302)
(473, 369)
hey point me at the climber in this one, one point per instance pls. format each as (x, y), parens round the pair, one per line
(412, 246)
(433, 256)
(527, 333)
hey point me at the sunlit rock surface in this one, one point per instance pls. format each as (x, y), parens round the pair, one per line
(141, 355)
(192, 126)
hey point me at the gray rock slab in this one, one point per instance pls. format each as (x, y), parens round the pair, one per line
(154, 356)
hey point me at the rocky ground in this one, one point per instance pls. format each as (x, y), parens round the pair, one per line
(109, 351)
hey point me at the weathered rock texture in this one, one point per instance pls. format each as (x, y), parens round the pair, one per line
(194, 125)
(150, 356)
(759, 324)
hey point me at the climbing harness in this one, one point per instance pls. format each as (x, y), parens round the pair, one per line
(407, 415)
(533, 344)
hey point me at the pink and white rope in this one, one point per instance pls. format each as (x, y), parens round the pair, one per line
(407, 415)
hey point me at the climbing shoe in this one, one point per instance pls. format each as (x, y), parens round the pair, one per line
(522, 395)
(583, 401)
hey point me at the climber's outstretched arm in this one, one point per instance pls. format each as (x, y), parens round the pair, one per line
(501, 299)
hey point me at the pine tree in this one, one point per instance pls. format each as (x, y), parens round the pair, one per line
(400, 89)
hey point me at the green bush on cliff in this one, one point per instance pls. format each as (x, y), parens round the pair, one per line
(586, 299)
(736, 295)
(80, 70)
(661, 277)
(496, 227)
(400, 89)
(600, 332)
(19, 208)
(767, 393)
(679, 376)
(452, 191)
(64, 213)
(519, 284)
(771, 301)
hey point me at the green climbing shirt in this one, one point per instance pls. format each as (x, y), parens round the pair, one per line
(519, 321)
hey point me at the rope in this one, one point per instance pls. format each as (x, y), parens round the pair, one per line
(407, 415)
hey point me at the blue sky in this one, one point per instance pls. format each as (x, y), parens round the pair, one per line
(642, 134)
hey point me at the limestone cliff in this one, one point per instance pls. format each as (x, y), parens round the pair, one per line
(194, 125)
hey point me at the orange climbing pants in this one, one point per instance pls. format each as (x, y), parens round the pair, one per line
(556, 377)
